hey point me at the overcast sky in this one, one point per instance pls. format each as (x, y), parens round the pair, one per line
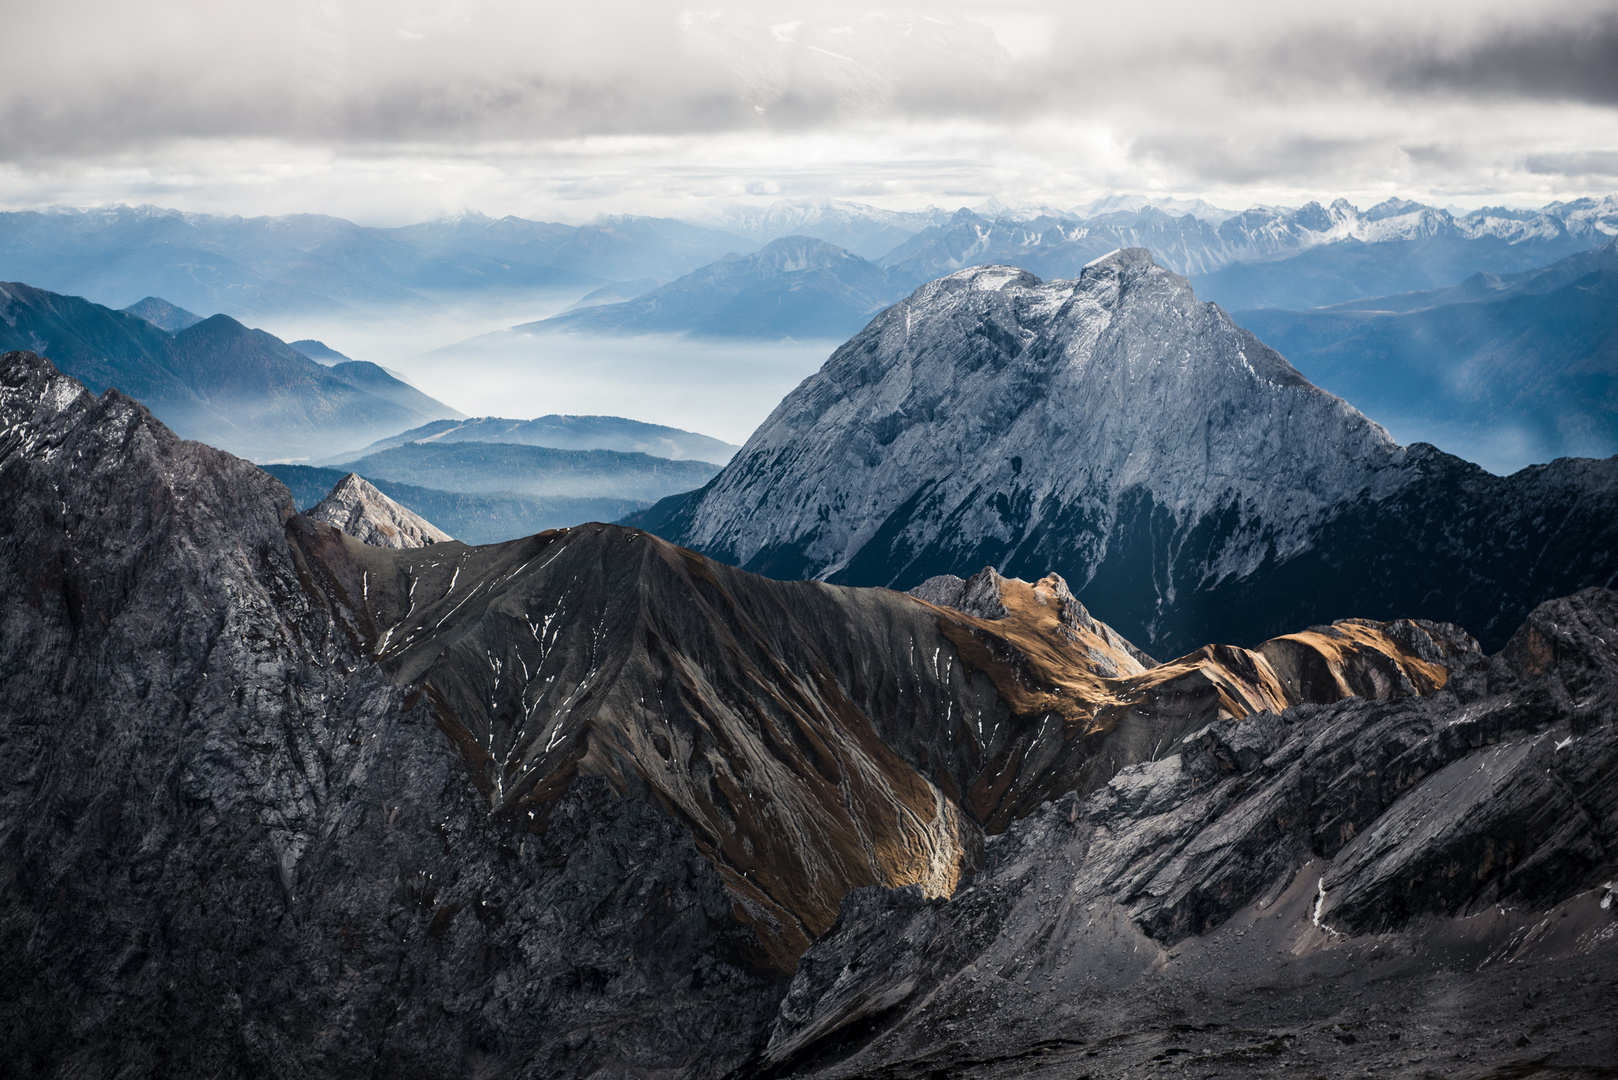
(392, 111)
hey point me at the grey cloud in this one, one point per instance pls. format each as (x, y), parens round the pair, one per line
(1200, 160)
(1557, 60)
(1602, 163)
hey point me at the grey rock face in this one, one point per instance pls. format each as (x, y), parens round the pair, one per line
(1455, 845)
(231, 849)
(1187, 481)
(357, 508)
(286, 804)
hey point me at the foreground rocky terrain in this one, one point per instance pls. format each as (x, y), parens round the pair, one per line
(1184, 478)
(591, 805)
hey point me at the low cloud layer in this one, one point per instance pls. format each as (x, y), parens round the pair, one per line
(1253, 99)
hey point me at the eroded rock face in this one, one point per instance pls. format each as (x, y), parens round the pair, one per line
(357, 508)
(232, 848)
(1421, 864)
(286, 803)
(816, 739)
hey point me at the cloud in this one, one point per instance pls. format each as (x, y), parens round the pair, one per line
(655, 100)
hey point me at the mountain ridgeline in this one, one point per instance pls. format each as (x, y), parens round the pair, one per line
(587, 804)
(1504, 369)
(214, 379)
(1187, 480)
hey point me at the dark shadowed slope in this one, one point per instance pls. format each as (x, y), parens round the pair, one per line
(1187, 479)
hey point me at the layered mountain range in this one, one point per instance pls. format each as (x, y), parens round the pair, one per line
(214, 379)
(587, 803)
(1286, 257)
(568, 433)
(1186, 479)
(1504, 369)
(796, 286)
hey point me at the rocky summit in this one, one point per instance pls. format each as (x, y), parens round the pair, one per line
(588, 804)
(357, 508)
(1186, 480)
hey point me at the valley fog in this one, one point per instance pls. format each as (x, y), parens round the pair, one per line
(461, 352)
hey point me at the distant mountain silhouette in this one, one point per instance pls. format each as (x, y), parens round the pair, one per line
(162, 314)
(1505, 370)
(540, 471)
(242, 390)
(567, 433)
(796, 286)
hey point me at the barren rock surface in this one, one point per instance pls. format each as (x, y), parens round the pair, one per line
(282, 803)
(357, 508)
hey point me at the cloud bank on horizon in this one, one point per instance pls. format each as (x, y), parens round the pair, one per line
(391, 111)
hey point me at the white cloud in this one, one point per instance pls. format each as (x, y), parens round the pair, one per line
(391, 110)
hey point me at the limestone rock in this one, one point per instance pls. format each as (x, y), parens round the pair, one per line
(357, 508)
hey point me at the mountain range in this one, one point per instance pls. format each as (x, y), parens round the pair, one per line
(792, 287)
(469, 516)
(568, 433)
(250, 267)
(1271, 257)
(1187, 480)
(216, 380)
(587, 804)
(540, 471)
(1261, 257)
(1503, 369)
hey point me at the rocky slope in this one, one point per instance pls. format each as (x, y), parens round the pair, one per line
(357, 508)
(284, 803)
(1184, 477)
(233, 847)
(1413, 887)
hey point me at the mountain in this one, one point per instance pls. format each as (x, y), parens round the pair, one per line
(1188, 481)
(472, 517)
(319, 352)
(1503, 369)
(541, 471)
(569, 433)
(360, 510)
(1356, 888)
(162, 314)
(1270, 257)
(586, 804)
(793, 287)
(249, 267)
(239, 389)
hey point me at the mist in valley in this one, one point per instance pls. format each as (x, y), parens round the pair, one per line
(461, 351)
